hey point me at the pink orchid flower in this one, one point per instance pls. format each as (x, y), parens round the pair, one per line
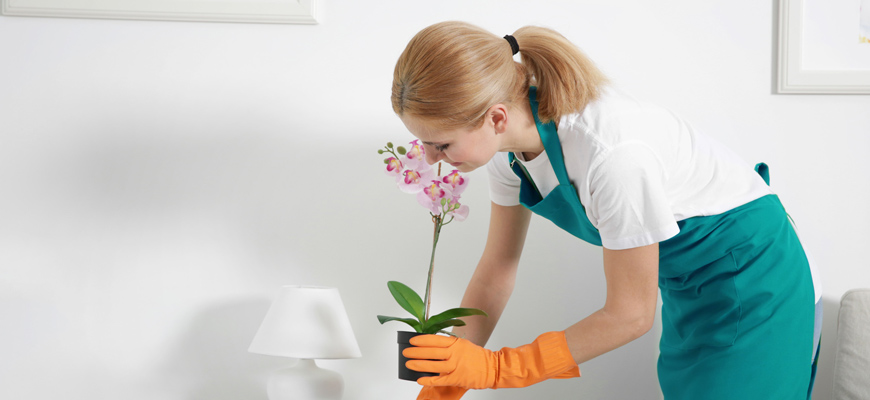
(416, 152)
(414, 175)
(460, 213)
(413, 180)
(394, 167)
(455, 183)
(431, 195)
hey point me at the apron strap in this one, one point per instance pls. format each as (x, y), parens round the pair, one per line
(764, 171)
(550, 140)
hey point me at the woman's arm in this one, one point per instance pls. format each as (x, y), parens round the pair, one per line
(493, 280)
(630, 306)
(627, 314)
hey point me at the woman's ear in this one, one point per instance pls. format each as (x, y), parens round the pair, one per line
(497, 115)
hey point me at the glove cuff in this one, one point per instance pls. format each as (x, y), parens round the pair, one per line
(553, 347)
(547, 357)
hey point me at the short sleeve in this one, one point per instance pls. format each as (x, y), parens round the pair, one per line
(629, 205)
(504, 185)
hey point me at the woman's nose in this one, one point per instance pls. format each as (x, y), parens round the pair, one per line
(433, 156)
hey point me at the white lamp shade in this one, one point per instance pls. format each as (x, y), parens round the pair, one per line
(306, 322)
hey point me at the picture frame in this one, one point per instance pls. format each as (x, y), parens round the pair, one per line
(795, 75)
(245, 11)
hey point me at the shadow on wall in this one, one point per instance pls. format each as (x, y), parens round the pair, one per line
(211, 360)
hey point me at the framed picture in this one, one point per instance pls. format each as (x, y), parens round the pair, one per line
(824, 46)
(262, 11)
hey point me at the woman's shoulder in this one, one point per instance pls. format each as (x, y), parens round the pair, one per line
(616, 116)
(499, 166)
(614, 103)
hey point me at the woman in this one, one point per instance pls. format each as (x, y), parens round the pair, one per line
(672, 210)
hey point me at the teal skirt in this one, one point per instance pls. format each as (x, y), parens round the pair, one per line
(737, 307)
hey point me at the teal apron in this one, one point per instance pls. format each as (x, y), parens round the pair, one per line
(737, 294)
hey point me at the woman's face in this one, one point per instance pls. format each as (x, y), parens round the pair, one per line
(464, 149)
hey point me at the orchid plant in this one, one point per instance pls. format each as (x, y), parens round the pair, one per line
(440, 195)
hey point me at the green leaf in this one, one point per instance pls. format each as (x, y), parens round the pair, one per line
(401, 150)
(443, 324)
(407, 298)
(410, 321)
(452, 313)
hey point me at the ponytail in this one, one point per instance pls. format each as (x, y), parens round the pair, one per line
(567, 80)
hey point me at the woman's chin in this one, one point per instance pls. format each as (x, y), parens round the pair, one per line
(464, 168)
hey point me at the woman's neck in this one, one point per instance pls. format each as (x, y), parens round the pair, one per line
(522, 133)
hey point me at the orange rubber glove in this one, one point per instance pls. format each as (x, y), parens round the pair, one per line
(465, 364)
(441, 393)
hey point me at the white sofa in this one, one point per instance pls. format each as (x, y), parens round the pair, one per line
(852, 365)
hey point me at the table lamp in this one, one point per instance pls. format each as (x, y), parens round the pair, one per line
(308, 323)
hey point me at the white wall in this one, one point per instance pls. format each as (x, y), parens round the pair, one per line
(161, 180)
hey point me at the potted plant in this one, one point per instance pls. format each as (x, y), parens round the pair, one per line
(440, 195)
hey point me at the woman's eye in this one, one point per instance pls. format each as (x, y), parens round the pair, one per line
(441, 147)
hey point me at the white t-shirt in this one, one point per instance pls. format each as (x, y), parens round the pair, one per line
(638, 169)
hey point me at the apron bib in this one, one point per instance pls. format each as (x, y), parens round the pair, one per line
(562, 206)
(737, 295)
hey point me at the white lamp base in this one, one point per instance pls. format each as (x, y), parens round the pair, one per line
(305, 381)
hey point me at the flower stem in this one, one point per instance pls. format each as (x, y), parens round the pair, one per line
(391, 151)
(437, 220)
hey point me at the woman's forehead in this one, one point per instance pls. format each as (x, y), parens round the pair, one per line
(425, 130)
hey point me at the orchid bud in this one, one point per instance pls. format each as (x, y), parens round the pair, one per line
(401, 150)
(390, 144)
(443, 202)
(380, 151)
(386, 161)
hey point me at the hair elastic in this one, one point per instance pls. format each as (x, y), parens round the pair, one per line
(515, 47)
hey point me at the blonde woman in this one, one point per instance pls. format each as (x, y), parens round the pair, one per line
(671, 209)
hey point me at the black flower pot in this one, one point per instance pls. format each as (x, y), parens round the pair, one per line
(405, 373)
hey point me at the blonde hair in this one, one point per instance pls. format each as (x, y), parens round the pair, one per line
(452, 72)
